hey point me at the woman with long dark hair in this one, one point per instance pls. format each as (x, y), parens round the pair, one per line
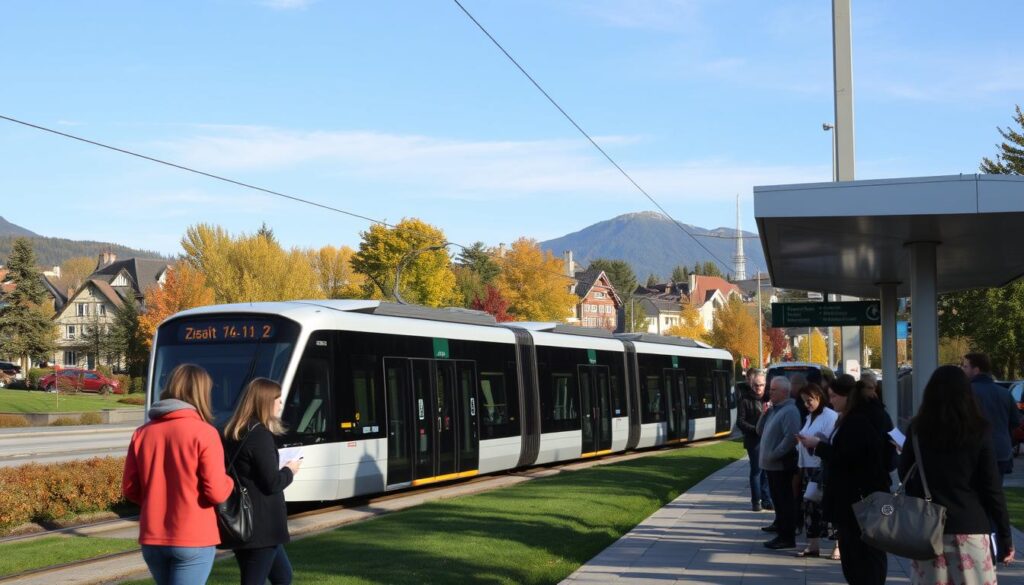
(249, 440)
(820, 421)
(855, 465)
(959, 463)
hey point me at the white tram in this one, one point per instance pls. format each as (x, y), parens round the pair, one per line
(384, 396)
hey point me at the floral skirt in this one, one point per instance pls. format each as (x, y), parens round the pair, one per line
(966, 560)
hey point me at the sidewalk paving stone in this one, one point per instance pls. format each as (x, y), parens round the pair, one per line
(709, 536)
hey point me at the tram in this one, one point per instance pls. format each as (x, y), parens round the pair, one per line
(382, 396)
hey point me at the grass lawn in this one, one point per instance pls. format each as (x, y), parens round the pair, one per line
(22, 556)
(1015, 504)
(39, 401)
(537, 532)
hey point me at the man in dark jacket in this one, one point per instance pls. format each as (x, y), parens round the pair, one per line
(749, 410)
(997, 406)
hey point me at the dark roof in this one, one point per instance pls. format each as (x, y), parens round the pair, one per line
(59, 296)
(143, 272)
(108, 291)
(666, 303)
(586, 280)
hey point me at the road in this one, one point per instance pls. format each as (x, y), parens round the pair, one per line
(49, 445)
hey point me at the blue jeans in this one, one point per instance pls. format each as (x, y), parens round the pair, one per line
(759, 492)
(179, 565)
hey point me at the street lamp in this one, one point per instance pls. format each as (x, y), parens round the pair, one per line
(825, 126)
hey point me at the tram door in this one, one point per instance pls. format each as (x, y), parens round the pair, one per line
(723, 420)
(675, 389)
(595, 409)
(435, 402)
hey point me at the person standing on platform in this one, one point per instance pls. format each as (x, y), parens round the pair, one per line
(820, 422)
(959, 464)
(749, 411)
(174, 471)
(997, 406)
(778, 429)
(855, 463)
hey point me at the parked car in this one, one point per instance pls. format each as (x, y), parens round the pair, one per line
(811, 371)
(80, 380)
(10, 368)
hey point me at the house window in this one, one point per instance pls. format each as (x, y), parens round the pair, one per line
(120, 280)
(598, 295)
(101, 310)
(71, 331)
(83, 309)
(70, 358)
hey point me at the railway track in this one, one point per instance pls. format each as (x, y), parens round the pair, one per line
(303, 522)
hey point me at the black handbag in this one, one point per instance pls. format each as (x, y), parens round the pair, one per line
(900, 524)
(234, 515)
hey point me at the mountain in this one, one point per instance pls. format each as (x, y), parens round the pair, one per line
(9, 229)
(54, 251)
(653, 244)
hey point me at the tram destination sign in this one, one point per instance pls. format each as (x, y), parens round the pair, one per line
(826, 314)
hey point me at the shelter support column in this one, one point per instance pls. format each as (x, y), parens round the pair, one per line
(890, 395)
(924, 315)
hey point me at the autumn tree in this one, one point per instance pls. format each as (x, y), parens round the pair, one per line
(25, 325)
(74, 271)
(735, 330)
(533, 281)
(334, 272)
(691, 324)
(493, 303)
(249, 268)
(872, 337)
(427, 277)
(814, 349)
(777, 344)
(475, 269)
(184, 287)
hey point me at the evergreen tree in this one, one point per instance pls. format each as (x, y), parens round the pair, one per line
(680, 274)
(651, 280)
(128, 339)
(480, 261)
(1010, 159)
(25, 325)
(95, 340)
(267, 233)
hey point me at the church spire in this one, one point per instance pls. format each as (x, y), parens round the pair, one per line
(739, 259)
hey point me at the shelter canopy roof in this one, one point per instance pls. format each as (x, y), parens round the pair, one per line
(849, 237)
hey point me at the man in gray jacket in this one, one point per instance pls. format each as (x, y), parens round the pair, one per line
(778, 429)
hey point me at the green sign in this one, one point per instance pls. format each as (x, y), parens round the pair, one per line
(592, 356)
(826, 314)
(441, 348)
(675, 362)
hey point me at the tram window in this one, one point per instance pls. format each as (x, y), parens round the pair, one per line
(618, 397)
(653, 409)
(564, 407)
(361, 412)
(693, 401)
(494, 405)
(307, 411)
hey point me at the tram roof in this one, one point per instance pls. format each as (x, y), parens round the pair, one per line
(849, 237)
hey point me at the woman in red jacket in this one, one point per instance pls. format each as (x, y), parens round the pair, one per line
(175, 472)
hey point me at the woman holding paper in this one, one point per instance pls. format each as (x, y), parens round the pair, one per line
(249, 439)
(821, 420)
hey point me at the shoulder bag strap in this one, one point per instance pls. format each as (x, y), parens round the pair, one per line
(920, 469)
(231, 464)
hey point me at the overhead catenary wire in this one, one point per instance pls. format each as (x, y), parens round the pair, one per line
(181, 167)
(586, 135)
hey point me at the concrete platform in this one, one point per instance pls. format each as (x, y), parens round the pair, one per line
(709, 536)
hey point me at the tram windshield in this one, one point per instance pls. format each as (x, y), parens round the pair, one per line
(232, 348)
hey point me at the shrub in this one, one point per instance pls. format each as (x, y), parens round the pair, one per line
(136, 399)
(105, 370)
(12, 420)
(66, 421)
(138, 385)
(35, 374)
(126, 382)
(90, 418)
(42, 493)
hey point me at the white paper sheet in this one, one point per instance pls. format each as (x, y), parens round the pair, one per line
(897, 437)
(288, 454)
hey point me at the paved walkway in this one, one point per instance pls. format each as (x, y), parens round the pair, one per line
(709, 536)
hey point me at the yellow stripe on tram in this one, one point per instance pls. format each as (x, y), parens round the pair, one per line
(595, 453)
(445, 477)
(723, 434)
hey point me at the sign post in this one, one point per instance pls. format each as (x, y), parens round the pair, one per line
(830, 314)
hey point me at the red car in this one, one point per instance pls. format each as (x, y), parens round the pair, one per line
(81, 381)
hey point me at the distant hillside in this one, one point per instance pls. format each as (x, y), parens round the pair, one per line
(652, 244)
(9, 229)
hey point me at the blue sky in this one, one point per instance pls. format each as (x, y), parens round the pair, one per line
(404, 109)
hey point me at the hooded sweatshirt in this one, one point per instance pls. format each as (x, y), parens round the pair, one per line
(175, 472)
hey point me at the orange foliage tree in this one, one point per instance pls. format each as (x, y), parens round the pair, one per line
(184, 287)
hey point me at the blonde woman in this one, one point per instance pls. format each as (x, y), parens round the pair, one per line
(249, 439)
(174, 471)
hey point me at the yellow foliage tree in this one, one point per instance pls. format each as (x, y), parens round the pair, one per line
(872, 337)
(427, 276)
(335, 274)
(249, 268)
(74, 271)
(818, 350)
(532, 282)
(184, 287)
(690, 326)
(735, 329)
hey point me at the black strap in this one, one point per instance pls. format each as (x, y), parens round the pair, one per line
(918, 466)
(231, 464)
